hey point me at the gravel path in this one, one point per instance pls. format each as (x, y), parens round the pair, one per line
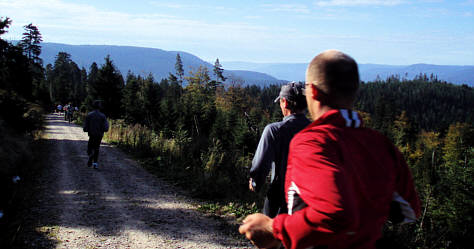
(119, 205)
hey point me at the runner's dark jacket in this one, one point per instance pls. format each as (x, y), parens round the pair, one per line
(96, 124)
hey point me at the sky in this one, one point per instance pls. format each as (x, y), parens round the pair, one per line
(394, 32)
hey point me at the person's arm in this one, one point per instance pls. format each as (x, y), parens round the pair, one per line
(263, 159)
(86, 124)
(405, 198)
(105, 125)
(258, 228)
(330, 214)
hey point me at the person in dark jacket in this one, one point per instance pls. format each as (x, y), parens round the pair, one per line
(272, 150)
(95, 125)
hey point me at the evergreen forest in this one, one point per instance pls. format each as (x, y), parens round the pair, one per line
(200, 132)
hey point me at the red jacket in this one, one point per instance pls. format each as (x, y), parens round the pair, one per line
(346, 177)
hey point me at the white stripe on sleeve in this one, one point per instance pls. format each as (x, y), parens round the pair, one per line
(355, 116)
(292, 190)
(407, 210)
(345, 115)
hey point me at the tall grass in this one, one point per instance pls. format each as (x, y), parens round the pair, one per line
(218, 176)
(140, 139)
(20, 127)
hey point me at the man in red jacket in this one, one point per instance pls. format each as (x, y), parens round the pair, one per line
(342, 179)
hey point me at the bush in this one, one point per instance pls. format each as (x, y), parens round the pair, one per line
(20, 123)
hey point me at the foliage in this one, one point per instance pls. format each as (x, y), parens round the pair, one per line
(229, 209)
(66, 82)
(179, 69)
(108, 88)
(429, 104)
(21, 117)
(218, 71)
(30, 43)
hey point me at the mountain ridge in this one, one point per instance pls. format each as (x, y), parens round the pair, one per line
(456, 74)
(159, 62)
(143, 61)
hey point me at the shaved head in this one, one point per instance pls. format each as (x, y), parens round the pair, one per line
(336, 75)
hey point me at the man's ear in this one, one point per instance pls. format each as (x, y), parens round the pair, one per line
(315, 93)
(284, 103)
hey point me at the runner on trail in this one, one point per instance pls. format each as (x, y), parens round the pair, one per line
(343, 180)
(65, 108)
(272, 150)
(59, 109)
(95, 125)
(69, 113)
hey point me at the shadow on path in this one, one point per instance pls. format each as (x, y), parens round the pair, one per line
(118, 202)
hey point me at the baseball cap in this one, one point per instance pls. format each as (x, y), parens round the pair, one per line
(291, 91)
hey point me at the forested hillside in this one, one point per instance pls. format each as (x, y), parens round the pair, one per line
(21, 78)
(430, 104)
(144, 61)
(201, 133)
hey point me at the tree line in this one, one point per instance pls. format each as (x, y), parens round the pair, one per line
(201, 130)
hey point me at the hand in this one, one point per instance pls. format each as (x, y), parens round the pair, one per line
(258, 228)
(251, 185)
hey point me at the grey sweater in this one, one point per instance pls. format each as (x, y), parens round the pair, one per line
(272, 151)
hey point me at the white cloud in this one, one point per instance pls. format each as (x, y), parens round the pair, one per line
(168, 5)
(59, 21)
(188, 6)
(327, 3)
(292, 8)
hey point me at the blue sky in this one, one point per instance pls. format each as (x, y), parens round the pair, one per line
(395, 32)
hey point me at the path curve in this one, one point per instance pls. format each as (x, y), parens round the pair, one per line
(119, 205)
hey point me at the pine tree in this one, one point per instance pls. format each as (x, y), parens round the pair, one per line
(108, 88)
(179, 68)
(65, 80)
(30, 43)
(91, 83)
(457, 183)
(4, 25)
(456, 149)
(151, 93)
(218, 71)
(132, 108)
(402, 132)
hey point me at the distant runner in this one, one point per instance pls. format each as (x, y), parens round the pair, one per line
(59, 109)
(95, 125)
(69, 113)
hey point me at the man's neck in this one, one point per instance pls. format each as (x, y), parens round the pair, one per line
(319, 109)
(286, 112)
(320, 112)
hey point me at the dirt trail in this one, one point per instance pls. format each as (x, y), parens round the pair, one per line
(119, 205)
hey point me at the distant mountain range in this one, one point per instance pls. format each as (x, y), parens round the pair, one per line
(160, 63)
(368, 72)
(144, 61)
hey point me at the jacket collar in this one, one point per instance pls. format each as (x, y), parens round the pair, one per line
(340, 118)
(293, 116)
